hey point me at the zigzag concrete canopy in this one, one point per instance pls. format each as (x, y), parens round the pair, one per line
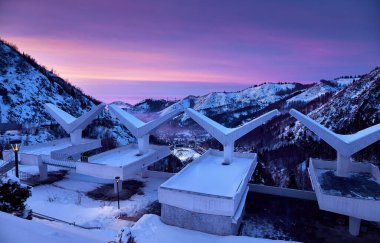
(70, 124)
(138, 128)
(345, 145)
(228, 136)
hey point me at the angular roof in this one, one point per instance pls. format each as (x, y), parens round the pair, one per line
(137, 127)
(228, 135)
(70, 123)
(345, 144)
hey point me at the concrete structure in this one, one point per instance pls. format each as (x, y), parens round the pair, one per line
(124, 162)
(72, 125)
(146, 154)
(61, 152)
(140, 129)
(228, 136)
(345, 145)
(209, 194)
(342, 186)
(358, 204)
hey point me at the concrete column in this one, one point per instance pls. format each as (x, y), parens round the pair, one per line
(42, 168)
(343, 165)
(143, 143)
(144, 172)
(354, 226)
(228, 153)
(115, 186)
(76, 137)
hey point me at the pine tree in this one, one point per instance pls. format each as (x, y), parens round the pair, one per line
(13, 197)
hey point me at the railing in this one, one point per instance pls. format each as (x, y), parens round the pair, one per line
(42, 216)
(67, 163)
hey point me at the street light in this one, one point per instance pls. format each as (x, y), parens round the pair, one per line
(117, 178)
(15, 144)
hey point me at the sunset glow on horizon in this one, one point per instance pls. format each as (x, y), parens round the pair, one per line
(125, 50)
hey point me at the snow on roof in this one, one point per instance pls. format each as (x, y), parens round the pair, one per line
(121, 156)
(150, 229)
(70, 123)
(206, 175)
(137, 127)
(345, 144)
(14, 230)
(228, 135)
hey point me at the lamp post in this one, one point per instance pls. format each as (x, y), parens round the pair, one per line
(117, 178)
(15, 144)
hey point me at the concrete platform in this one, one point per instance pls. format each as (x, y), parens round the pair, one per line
(206, 195)
(57, 149)
(355, 204)
(124, 161)
(352, 197)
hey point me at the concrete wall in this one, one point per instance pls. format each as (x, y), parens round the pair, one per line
(208, 223)
(284, 192)
(127, 171)
(42, 145)
(197, 202)
(99, 170)
(86, 145)
(159, 174)
(29, 159)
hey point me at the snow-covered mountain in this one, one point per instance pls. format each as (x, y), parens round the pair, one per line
(350, 110)
(25, 86)
(345, 104)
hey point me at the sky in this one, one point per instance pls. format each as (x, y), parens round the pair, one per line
(131, 50)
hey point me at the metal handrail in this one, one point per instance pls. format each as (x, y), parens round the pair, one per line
(42, 216)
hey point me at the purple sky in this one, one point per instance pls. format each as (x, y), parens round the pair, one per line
(130, 50)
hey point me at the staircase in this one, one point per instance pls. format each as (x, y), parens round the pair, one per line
(8, 164)
(5, 167)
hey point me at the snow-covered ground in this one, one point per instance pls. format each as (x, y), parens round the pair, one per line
(20, 230)
(67, 200)
(150, 229)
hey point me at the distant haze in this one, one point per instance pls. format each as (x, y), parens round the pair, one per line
(130, 50)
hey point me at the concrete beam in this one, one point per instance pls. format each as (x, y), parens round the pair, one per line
(228, 136)
(69, 123)
(140, 129)
(345, 145)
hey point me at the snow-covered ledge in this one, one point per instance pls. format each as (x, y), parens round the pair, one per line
(72, 125)
(228, 136)
(345, 145)
(140, 129)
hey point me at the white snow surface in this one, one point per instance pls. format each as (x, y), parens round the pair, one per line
(150, 229)
(207, 175)
(121, 156)
(15, 230)
(67, 200)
